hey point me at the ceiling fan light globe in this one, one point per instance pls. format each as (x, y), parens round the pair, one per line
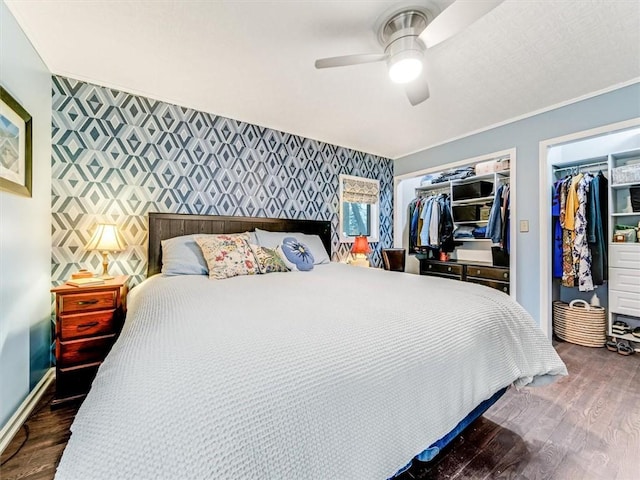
(405, 70)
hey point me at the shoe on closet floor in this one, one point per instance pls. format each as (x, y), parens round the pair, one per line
(636, 332)
(624, 348)
(611, 345)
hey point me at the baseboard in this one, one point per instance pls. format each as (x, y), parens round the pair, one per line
(24, 410)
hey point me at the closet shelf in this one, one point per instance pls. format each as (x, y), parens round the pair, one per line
(472, 239)
(625, 185)
(472, 201)
(474, 178)
(473, 222)
(626, 214)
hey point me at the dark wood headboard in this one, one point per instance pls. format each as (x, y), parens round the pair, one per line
(169, 225)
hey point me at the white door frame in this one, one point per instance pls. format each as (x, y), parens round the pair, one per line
(544, 219)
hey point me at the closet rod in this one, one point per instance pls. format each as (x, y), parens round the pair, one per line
(580, 167)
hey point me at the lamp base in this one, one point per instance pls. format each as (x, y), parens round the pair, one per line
(105, 267)
(360, 262)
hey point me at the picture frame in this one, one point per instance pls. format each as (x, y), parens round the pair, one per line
(15, 146)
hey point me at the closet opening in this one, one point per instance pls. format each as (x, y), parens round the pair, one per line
(470, 206)
(589, 227)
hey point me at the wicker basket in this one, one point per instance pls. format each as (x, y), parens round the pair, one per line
(580, 323)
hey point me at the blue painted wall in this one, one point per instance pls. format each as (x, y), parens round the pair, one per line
(525, 135)
(25, 230)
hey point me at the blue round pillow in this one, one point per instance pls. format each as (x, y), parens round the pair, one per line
(297, 254)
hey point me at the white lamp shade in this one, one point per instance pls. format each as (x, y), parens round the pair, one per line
(106, 238)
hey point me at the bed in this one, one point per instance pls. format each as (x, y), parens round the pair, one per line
(337, 372)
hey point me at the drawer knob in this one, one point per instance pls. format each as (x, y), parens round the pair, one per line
(448, 269)
(477, 272)
(505, 275)
(504, 289)
(430, 267)
(87, 302)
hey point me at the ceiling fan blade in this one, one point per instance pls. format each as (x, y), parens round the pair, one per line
(350, 60)
(455, 18)
(417, 91)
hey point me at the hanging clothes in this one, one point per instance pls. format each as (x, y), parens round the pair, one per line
(494, 226)
(505, 240)
(431, 226)
(581, 252)
(567, 218)
(579, 209)
(597, 208)
(498, 226)
(557, 230)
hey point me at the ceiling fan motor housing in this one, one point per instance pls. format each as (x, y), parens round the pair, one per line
(401, 39)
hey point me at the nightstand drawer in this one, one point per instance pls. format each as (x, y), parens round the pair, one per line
(78, 302)
(77, 352)
(492, 273)
(87, 324)
(75, 381)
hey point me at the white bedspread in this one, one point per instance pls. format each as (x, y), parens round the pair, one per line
(338, 373)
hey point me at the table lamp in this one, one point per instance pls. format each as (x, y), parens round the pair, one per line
(106, 239)
(359, 250)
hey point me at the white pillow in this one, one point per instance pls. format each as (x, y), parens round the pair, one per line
(273, 239)
(183, 256)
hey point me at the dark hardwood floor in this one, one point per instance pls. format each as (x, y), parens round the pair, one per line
(586, 426)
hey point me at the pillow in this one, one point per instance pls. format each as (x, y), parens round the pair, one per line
(228, 255)
(273, 239)
(295, 254)
(182, 256)
(268, 260)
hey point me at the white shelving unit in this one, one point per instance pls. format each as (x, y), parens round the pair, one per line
(496, 178)
(624, 257)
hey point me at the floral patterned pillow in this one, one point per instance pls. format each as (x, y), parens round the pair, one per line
(295, 254)
(268, 260)
(228, 255)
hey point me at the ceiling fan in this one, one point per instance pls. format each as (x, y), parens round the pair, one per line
(406, 34)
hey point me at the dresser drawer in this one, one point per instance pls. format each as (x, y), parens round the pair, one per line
(492, 273)
(86, 324)
(78, 302)
(77, 352)
(624, 255)
(502, 286)
(446, 268)
(624, 280)
(441, 275)
(626, 303)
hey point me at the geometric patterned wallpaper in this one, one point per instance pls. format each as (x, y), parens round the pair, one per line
(118, 156)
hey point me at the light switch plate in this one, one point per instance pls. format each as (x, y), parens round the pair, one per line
(524, 226)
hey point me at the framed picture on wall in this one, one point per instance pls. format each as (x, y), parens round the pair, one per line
(15, 146)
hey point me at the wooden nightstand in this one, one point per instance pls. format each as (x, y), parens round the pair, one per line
(88, 321)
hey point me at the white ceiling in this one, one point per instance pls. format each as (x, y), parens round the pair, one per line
(254, 61)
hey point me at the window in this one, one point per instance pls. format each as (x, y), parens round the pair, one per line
(359, 208)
